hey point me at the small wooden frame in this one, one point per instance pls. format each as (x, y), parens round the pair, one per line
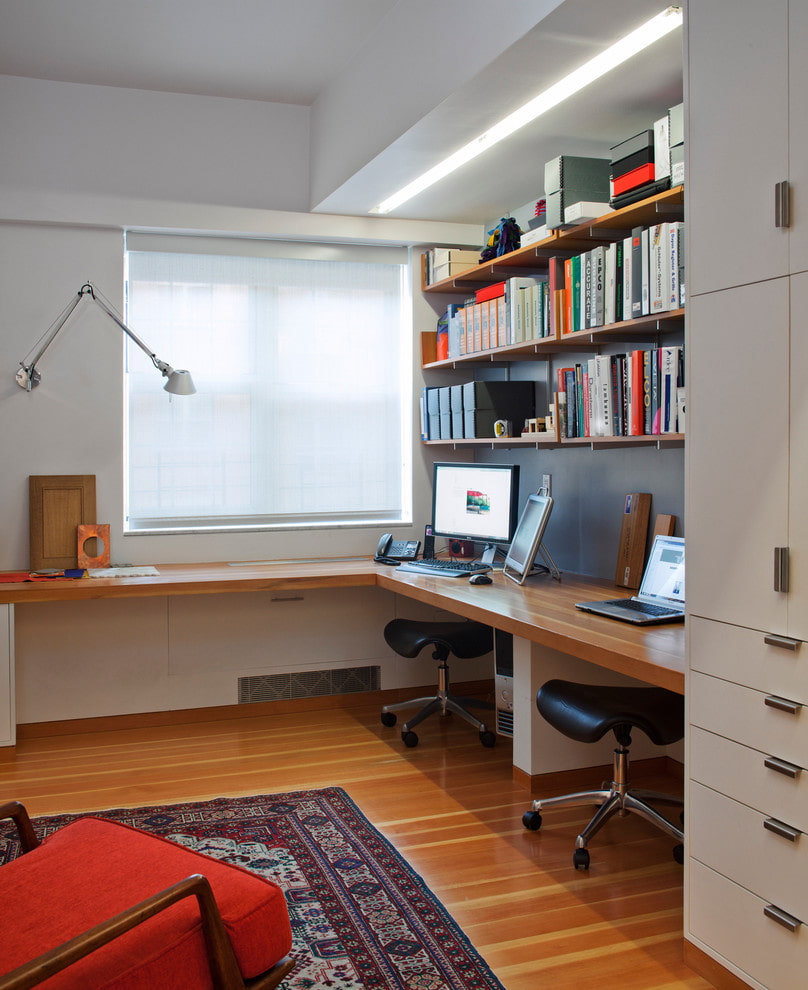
(57, 504)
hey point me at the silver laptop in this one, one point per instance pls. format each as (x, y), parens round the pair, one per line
(661, 597)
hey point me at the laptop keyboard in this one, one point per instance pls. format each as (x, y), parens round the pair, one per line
(645, 607)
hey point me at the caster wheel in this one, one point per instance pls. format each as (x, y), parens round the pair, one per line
(410, 739)
(532, 820)
(488, 738)
(389, 718)
(580, 859)
(679, 853)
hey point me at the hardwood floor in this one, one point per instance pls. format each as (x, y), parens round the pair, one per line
(449, 805)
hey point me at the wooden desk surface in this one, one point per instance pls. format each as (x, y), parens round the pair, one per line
(541, 611)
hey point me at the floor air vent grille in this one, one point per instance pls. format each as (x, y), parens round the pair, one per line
(307, 684)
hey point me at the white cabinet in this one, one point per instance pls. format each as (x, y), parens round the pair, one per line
(747, 489)
(737, 141)
(737, 480)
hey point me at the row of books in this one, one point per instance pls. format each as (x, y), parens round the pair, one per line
(641, 392)
(508, 312)
(636, 276)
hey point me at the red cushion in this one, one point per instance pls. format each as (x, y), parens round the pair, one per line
(93, 869)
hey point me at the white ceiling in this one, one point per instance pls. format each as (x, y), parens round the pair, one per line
(302, 51)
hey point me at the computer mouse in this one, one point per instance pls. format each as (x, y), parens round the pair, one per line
(480, 579)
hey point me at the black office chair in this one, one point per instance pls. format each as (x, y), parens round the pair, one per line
(465, 640)
(586, 712)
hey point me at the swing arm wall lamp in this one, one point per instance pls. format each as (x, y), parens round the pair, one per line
(178, 382)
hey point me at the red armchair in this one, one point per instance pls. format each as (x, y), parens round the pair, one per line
(102, 906)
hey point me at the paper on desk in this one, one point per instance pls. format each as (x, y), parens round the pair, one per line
(128, 571)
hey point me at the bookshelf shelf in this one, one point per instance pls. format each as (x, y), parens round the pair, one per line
(668, 205)
(584, 340)
(549, 440)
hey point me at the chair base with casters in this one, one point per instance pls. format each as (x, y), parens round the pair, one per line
(465, 640)
(586, 712)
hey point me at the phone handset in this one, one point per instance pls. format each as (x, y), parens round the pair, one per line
(381, 551)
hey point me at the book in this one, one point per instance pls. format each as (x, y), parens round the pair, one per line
(609, 284)
(634, 396)
(636, 271)
(660, 267)
(646, 271)
(598, 286)
(603, 395)
(555, 284)
(628, 255)
(671, 379)
(577, 292)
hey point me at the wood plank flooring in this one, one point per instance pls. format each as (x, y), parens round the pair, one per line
(449, 805)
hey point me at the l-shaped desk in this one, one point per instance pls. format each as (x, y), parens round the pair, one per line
(551, 637)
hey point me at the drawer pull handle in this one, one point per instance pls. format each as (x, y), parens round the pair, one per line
(780, 828)
(781, 569)
(782, 704)
(784, 642)
(782, 212)
(288, 598)
(782, 917)
(781, 766)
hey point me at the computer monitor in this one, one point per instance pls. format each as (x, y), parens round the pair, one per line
(478, 502)
(520, 561)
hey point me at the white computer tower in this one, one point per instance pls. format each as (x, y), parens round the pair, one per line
(503, 682)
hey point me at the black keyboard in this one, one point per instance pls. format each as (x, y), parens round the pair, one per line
(445, 568)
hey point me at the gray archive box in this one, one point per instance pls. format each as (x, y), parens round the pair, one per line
(445, 413)
(676, 124)
(572, 172)
(432, 414)
(486, 402)
(557, 202)
(456, 403)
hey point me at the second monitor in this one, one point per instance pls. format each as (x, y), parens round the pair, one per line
(476, 502)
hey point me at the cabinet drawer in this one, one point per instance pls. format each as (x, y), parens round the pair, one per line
(743, 714)
(742, 655)
(740, 773)
(731, 921)
(733, 839)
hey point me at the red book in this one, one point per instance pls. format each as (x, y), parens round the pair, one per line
(489, 292)
(636, 177)
(636, 415)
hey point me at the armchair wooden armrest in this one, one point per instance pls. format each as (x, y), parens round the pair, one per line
(17, 812)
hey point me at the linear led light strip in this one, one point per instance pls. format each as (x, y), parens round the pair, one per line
(596, 67)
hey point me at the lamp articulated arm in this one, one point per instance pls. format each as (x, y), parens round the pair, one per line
(28, 377)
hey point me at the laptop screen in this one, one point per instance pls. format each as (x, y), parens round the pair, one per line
(664, 579)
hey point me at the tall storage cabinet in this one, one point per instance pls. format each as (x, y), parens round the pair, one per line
(747, 489)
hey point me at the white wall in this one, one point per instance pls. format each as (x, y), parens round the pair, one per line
(78, 165)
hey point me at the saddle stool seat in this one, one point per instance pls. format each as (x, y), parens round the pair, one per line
(586, 712)
(465, 640)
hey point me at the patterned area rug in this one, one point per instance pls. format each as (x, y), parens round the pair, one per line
(362, 919)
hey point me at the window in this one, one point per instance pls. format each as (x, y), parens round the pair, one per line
(302, 368)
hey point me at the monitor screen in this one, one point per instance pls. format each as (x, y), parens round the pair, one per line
(521, 556)
(475, 501)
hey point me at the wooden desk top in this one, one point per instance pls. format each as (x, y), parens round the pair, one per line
(541, 611)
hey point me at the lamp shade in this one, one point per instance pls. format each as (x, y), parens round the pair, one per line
(180, 383)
